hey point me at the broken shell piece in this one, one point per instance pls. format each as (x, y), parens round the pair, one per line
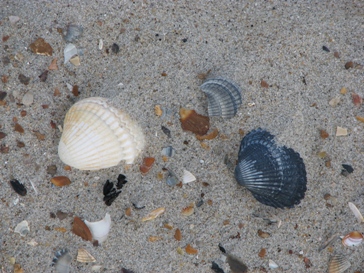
(22, 228)
(81, 229)
(62, 261)
(168, 151)
(338, 264)
(209, 136)
(100, 229)
(190, 250)
(356, 212)
(171, 179)
(341, 131)
(354, 238)
(18, 269)
(75, 61)
(73, 33)
(188, 177)
(60, 181)
(41, 47)
(69, 51)
(84, 257)
(193, 122)
(96, 135)
(187, 211)
(153, 214)
(147, 165)
(158, 110)
(272, 264)
(101, 44)
(223, 96)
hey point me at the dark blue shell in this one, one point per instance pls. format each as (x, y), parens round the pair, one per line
(276, 176)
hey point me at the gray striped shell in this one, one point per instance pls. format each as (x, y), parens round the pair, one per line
(224, 97)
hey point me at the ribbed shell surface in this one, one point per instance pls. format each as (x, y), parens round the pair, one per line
(224, 97)
(97, 135)
(276, 176)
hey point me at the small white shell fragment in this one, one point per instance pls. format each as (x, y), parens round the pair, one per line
(101, 44)
(188, 177)
(272, 264)
(32, 242)
(96, 268)
(334, 102)
(356, 212)
(28, 98)
(96, 135)
(75, 61)
(69, 51)
(13, 19)
(340, 131)
(22, 228)
(100, 229)
(84, 257)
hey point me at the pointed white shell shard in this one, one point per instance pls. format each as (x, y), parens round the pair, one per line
(272, 264)
(338, 264)
(356, 212)
(96, 135)
(84, 257)
(22, 228)
(100, 229)
(188, 177)
(69, 51)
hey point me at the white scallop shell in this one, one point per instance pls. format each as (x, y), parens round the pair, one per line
(96, 135)
(100, 229)
(22, 228)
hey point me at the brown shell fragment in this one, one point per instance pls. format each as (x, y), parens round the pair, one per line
(153, 214)
(193, 122)
(154, 238)
(264, 84)
(263, 234)
(357, 100)
(262, 253)
(178, 235)
(84, 257)
(209, 136)
(81, 229)
(361, 119)
(190, 250)
(188, 211)
(41, 47)
(147, 165)
(60, 181)
(323, 134)
(53, 65)
(18, 128)
(18, 268)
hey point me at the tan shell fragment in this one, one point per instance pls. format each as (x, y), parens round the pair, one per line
(96, 135)
(84, 257)
(153, 214)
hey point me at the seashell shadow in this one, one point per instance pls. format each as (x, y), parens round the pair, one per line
(276, 176)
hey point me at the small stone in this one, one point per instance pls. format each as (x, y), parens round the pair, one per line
(18, 128)
(343, 91)
(334, 102)
(349, 65)
(264, 84)
(262, 253)
(75, 61)
(190, 250)
(75, 90)
(60, 181)
(13, 19)
(2, 135)
(24, 79)
(3, 95)
(52, 169)
(347, 169)
(115, 48)
(263, 234)
(325, 48)
(357, 100)
(53, 65)
(178, 235)
(20, 144)
(336, 54)
(28, 98)
(43, 76)
(323, 134)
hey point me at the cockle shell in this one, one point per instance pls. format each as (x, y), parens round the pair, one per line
(96, 135)
(338, 264)
(223, 96)
(354, 238)
(276, 176)
(100, 229)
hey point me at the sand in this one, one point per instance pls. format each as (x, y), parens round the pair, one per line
(163, 47)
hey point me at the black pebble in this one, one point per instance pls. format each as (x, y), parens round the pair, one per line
(347, 169)
(166, 131)
(115, 48)
(222, 249)
(184, 40)
(18, 187)
(325, 48)
(108, 187)
(121, 181)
